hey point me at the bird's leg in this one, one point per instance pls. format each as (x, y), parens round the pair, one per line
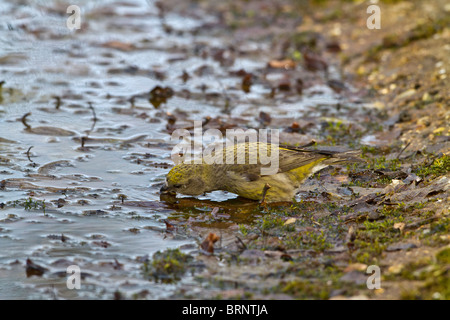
(264, 193)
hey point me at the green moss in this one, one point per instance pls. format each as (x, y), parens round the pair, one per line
(438, 286)
(443, 256)
(437, 229)
(167, 266)
(306, 289)
(243, 229)
(436, 277)
(306, 39)
(270, 222)
(369, 150)
(440, 166)
(419, 32)
(382, 163)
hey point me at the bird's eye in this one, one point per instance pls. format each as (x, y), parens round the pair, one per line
(177, 186)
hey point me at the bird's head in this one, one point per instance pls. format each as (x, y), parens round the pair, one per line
(185, 179)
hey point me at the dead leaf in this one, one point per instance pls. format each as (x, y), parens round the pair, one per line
(185, 76)
(33, 269)
(398, 191)
(396, 269)
(117, 265)
(122, 46)
(264, 118)
(284, 85)
(282, 64)
(401, 246)
(159, 95)
(208, 244)
(103, 244)
(290, 221)
(169, 227)
(350, 237)
(337, 85)
(356, 267)
(299, 85)
(399, 226)
(295, 127)
(333, 46)
(314, 62)
(246, 83)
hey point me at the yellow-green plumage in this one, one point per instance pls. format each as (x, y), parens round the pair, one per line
(241, 171)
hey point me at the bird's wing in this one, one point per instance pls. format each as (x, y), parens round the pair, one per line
(292, 159)
(288, 159)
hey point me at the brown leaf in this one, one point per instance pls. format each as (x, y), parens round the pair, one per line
(350, 237)
(289, 221)
(159, 95)
(169, 226)
(399, 226)
(282, 64)
(185, 76)
(284, 85)
(122, 46)
(295, 127)
(208, 244)
(314, 62)
(356, 267)
(299, 85)
(333, 46)
(264, 118)
(117, 265)
(337, 85)
(246, 83)
(32, 269)
(103, 244)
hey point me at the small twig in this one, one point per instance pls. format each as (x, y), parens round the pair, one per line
(93, 119)
(244, 246)
(28, 154)
(24, 121)
(404, 148)
(131, 101)
(57, 102)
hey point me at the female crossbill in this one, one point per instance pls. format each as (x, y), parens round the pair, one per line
(251, 178)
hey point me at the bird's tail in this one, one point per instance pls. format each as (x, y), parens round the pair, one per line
(335, 155)
(353, 156)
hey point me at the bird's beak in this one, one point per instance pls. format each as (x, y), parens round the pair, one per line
(165, 189)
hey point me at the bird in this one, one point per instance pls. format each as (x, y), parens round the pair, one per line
(249, 174)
